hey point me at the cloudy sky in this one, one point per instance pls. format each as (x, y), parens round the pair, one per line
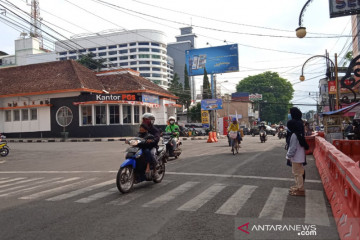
(263, 29)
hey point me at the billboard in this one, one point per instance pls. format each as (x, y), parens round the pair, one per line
(211, 104)
(340, 8)
(220, 59)
(240, 96)
(255, 97)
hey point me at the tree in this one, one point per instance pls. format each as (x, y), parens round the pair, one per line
(187, 91)
(276, 91)
(195, 113)
(348, 58)
(91, 63)
(206, 94)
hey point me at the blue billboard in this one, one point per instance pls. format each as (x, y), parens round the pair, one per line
(211, 104)
(220, 59)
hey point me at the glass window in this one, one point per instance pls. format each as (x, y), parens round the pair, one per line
(64, 116)
(126, 114)
(114, 114)
(62, 53)
(133, 63)
(124, 58)
(86, 115)
(124, 64)
(92, 49)
(113, 59)
(113, 65)
(112, 46)
(144, 56)
(63, 59)
(156, 56)
(112, 52)
(143, 43)
(102, 54)
(100, 114)
(144, 69)
(148, 110)
(33, 113)
(155, 44)
(8, 116)
(136, 114)
(73, 57)
(156, 75)
(132, 56)
(133, 44)
(143, 110)
(24, 114)
(145, 74)
(144, 49)
(155, 50)
(135, 69)
(72, 52)
(156, 63)
(144, 62)
(123, 51)
(133, 50)
(16, 114)
(123, 45)
(82, 50)
(101, 48)
(156, 69)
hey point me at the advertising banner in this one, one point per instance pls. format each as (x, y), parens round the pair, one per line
(150, 98)
(255, 97)
(332, 88)
(211, 104)
(340, 8)
(240, 96)
(220, 59)
(205, 119)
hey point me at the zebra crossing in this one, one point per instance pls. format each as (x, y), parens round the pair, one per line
(85, 191)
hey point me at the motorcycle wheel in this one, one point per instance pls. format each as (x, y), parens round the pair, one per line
(125, 179)
(4, 151)
(161, 173)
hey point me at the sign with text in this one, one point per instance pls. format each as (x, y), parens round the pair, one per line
(220, 59)
(332, 88)
(114, 97)
(150, 98)
(205, 119)
(340, 8)
(255, 97)
(211, 104)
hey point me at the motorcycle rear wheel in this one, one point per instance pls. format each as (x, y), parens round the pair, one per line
(161, 173)
(125, 179)
(4, 151)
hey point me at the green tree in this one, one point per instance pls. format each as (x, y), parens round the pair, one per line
(276, 91)
(206, 94)
(91, 63)
(187, 91)
(348, 58)
(195, 113)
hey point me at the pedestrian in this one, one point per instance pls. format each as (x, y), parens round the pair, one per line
(308, 130)
(295, 156)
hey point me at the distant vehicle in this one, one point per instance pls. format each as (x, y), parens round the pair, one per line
(199, 130)
(270, 130)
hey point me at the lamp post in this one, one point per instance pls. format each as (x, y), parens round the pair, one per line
(302, 77)
(301, 31)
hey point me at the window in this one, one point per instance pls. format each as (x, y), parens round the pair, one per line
(155, 44)
(124, 64)
(86, 112)
(145, 74)
(143, 43)
(102, 54)
(133, 63)
(113, 59)
(112, 46)
(126, 114)
(148, 110)
(72, 52)
(124, 58)
(133, 50)
(112, 52)
(8, 116)
(135, 69)
(144, 56)
(156, 75)
(113, 65)
(123, 51)
(136, 114)
(63, 59)
(101, 48)
(92, 49)
(73, 57)
(114, 114)
(100, 114)
(144, 69)
(64, 116)
(62, 53)
(33, 114)
(143, 110)
(155, 50)
(156, 69)
(132, 56)
(156, 63)
(123, 45)
(144, 62)
(24, 114)
(133, 44)
(82, 50)
(155, 56)
(16, 114)
(144, 49)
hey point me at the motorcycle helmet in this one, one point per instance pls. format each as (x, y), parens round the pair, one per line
(172, 118)
(234, 119)
(148, 118)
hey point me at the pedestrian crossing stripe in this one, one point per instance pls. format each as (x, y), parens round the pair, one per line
(315, 203)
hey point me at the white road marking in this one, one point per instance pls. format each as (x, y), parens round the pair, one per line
(197, 202)
(39, 186)
(18, 182)
(97, 196)
(233, 205)
(11, 180)
(315, 208)
(27, 185)
(58, 189)
(81, 191)
(275, 204)
(171, 195)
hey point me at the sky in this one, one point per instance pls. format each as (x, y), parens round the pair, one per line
(264, 31)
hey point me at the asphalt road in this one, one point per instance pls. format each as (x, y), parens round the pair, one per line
(67, 191)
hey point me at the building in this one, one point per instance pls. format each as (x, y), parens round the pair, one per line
(141, 50)
(48, 99)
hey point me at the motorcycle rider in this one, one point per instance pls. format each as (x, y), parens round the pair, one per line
(262, 128)
(234, 126)
(174, 129)
(281, 129)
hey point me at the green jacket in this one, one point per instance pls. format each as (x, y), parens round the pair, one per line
(173, 128)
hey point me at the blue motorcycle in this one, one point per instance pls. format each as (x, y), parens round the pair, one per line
(132, 170)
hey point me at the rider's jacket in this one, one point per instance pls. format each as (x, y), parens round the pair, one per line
(234, 127)
(173, 128)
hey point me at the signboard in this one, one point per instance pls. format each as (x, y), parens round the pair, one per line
(332, 88)
(240, 96)
(205, 119)
(150, 98)
(111, 97)
(211, 104)
(255, 97)
(340, 8)
(220, 59)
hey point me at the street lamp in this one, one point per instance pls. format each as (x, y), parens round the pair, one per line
(301, 31)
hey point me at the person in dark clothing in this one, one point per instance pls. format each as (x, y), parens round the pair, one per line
(356, 130)
(146, 146)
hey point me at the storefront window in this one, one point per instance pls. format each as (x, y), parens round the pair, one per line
(126, 114)
(8, 116)
(136, 114)
(33, 114)
(86, 112)
(25, 114)
(143, 110)
(16, 115)
(114, 114)
(100, 114)
(64, 116)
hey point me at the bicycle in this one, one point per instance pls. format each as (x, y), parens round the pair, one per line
(235, 144)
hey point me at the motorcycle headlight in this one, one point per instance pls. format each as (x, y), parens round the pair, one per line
(138, 154)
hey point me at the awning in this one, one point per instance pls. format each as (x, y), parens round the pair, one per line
(342, 110)
(152, 105)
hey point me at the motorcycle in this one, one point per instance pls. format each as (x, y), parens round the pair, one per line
(4, 149)
(282, 134)
(132, 170)
(263, 136)
(167, 141)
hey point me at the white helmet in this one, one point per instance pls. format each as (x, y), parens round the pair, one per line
(172, 118)
(149, 116)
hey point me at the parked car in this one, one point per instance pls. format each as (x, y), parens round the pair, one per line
(270, 130)
(254, 131)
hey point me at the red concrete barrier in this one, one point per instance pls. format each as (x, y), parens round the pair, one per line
(341, 179)
(311, 142)
(350, 148)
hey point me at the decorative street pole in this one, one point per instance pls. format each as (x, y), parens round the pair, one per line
(301, 31)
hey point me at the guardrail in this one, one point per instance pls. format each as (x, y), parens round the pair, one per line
(341, 179)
